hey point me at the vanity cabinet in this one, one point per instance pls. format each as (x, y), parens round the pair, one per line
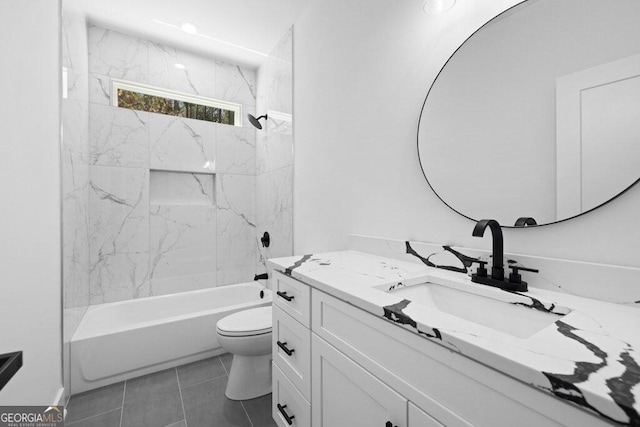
(293, 297)
(366, 371)
(291, 349)
(290, 408)
(419, 418)
(345, 394)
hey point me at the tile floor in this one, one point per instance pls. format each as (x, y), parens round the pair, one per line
(187, 396)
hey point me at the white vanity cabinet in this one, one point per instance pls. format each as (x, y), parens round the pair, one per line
(291, 349)
(289, 406)
(419, 418)
(345, 394)
(366, 371)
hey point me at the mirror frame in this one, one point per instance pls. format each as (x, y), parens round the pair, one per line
(418, 138)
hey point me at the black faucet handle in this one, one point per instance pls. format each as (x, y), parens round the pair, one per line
(525, 221)
(515, 269)
(515, 277)
(481, 271)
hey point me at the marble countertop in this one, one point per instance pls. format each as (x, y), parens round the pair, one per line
(590, 356)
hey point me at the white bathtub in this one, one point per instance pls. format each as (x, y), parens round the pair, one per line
(122, 340)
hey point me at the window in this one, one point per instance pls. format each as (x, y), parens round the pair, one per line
(138, 96)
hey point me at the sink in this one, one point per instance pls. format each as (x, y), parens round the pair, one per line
(516, 320)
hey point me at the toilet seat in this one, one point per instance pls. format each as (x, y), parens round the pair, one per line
(251, 322)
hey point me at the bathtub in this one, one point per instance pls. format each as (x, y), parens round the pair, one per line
(122, 340)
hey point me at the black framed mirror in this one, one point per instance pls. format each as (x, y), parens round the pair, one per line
(537, 114)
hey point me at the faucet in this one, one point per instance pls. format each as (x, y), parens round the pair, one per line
(497, 279)
(497, 269)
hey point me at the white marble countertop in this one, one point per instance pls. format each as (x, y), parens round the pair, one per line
(590, 356)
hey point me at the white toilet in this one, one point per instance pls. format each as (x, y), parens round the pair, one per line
(247, 335)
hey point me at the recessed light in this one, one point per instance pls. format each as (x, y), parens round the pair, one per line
(179, 66)
(189, 28)
(438, 6)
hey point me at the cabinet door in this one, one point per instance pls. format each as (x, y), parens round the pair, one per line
(419, 418)
(345, 394)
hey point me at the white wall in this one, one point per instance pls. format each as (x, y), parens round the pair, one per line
(30, 292)
(361, 71)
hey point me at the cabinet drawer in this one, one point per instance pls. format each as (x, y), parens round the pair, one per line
(292, 296)
(288, 400)
(292, 350)
(419, 418)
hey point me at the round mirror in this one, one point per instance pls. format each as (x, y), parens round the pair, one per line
(537, 114)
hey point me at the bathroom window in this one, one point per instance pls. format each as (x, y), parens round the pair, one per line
(137, 96)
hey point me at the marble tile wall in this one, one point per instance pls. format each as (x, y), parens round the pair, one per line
(172, 200)
(274, 153)
(181, 189)
(119, 233)
(236, 232)
(119, 137)
(74, 155)
(182, 234)
(196, 151)
(182, 248)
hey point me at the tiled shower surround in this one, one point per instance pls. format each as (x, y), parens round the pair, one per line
(141, 245)
(155, 204)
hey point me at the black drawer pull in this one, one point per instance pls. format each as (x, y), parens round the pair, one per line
(283, 346)
(285, 296)
(285, 415)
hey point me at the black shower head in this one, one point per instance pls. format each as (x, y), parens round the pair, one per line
(256, 122)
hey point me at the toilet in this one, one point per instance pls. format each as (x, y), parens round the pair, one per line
(247, 335)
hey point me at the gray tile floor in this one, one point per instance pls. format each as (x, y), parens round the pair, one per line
(187, 396)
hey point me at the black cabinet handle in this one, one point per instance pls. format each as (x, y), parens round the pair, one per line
(388, 424)
(286, 416)
(285, 296)
(283, 346)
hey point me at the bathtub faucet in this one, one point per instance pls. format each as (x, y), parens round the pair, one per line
(261, 276)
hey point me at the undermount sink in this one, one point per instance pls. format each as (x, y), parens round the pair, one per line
(507, 317)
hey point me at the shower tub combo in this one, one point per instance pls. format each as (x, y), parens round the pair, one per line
(122, 340)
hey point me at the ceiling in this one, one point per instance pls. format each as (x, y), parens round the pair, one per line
(241, 31)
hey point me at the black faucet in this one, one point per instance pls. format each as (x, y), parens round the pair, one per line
(497, 269)
(497, 279)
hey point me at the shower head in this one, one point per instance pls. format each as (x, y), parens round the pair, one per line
(256, 122)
